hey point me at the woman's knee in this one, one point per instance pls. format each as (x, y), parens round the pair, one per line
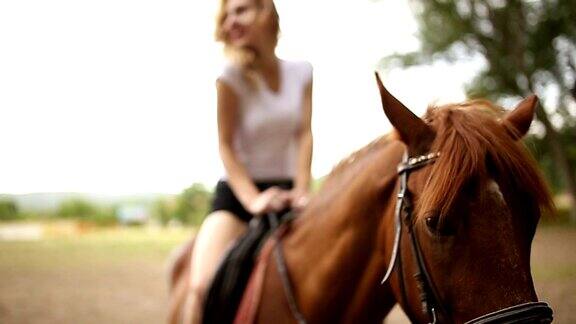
(199, 289)
(223, 216)
(216, 234)
(219, 228)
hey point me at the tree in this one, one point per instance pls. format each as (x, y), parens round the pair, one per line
(192, 204)
(8, 210)
(81, 209)
(537, 145)
(163, 210)
(189, 207)
(76, 208)
(528, 47)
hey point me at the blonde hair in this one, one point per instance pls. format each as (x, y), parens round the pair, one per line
(245, 58)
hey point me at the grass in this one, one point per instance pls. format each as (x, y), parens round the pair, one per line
(113, 275)
(118, 275)
(100, 246)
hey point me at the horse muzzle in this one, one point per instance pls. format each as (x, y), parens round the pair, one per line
(534, 312)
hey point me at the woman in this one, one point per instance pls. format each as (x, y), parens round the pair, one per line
(265, 138)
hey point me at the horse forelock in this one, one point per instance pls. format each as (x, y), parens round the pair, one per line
(470, 137)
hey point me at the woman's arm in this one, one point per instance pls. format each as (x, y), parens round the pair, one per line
(304, 159)
(247, 193)
(238, 177)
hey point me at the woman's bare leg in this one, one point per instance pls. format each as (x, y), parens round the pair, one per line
(215, 235)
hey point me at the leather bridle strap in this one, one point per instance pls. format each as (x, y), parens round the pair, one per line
(534, 312)
(428, 296)
(407, 165)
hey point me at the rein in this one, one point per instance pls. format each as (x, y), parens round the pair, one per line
(283, 270)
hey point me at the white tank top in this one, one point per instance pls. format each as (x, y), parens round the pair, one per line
(265, 138)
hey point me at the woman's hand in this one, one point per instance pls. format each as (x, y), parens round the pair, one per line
(299, 199)
(270, 200)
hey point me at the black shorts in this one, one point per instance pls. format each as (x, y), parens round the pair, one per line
(224, 198)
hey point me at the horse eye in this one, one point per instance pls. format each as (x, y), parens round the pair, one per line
(436, 229)
(432, 223)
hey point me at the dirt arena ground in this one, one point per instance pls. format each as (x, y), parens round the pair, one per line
(118, 276)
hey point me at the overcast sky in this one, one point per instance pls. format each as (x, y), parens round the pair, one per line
(118, 96)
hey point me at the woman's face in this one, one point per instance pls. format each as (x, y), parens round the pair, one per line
(241, 25)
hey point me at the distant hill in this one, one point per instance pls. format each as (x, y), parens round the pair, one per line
(50, 201)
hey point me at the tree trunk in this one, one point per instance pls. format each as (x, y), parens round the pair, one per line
(561, 161)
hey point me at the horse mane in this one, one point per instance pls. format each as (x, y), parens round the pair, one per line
(474, 140)
(376, 144)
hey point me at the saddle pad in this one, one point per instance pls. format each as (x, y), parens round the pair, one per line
(232, 275)
(251, 300)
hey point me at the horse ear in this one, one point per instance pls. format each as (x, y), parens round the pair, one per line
(412, 130)
(521, 117)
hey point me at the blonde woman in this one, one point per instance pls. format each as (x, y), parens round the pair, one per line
(265, 138)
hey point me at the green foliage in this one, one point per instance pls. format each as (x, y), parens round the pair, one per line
(104, 217)
(8, 210)
(189, 207)
(84, 210)
(525, 44)
(543, 154)
(527, 47)
(163, 210)
(76, 208)
(192, 204)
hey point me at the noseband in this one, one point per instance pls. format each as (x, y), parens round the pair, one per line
(532, 312)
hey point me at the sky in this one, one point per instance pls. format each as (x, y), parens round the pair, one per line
(118, 96)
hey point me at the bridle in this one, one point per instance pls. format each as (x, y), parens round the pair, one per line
(428, 295)
(532, 312)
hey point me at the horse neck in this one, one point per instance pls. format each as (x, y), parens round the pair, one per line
(331, 245)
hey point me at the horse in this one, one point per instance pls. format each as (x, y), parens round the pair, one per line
(438, 216)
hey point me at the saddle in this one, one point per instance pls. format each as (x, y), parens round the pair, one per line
(231, 278)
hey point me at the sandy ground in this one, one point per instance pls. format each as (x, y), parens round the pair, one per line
(115, 280)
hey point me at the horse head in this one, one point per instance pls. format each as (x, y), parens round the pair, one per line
(470, 198)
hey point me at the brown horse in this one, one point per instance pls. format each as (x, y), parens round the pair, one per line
(451, 229)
